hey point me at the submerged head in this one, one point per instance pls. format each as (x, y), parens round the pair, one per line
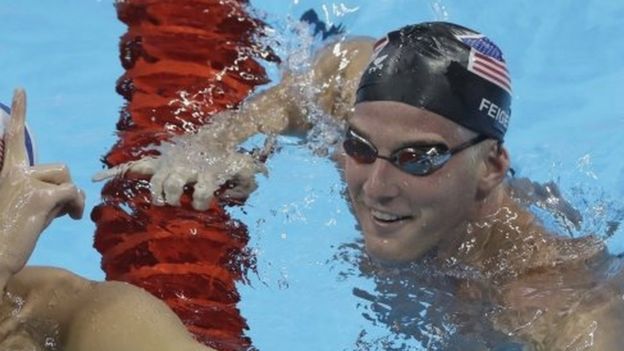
(425, 150)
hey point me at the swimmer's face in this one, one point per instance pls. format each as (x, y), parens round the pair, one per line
(405, 216)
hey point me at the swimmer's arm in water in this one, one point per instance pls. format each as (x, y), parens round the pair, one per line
(281, 109)
(83, 315)
(567, 302)
(331, 83)
(599, 327)
(594, 326)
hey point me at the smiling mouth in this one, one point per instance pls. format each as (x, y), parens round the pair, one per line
(385, 217)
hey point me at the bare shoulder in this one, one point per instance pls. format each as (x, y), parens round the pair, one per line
(571, 300)
(120, 316)
(599, 318)
(529, 248)
(38, 303)
(92, 315)
(34, 281)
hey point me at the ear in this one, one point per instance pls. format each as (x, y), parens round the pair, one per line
(496, 165)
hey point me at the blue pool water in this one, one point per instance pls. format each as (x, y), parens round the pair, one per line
(565, 58)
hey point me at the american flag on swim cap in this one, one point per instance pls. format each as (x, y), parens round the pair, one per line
(486, 60)
(380, 44)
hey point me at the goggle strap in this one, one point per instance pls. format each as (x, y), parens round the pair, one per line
(467, 144)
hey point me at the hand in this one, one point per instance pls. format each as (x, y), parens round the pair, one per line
(208, 160)
(30, 196)
(207, 166)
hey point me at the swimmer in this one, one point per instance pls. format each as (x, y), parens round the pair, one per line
(46, 308)
(426, 110)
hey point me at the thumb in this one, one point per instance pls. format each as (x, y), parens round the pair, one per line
(15, 152)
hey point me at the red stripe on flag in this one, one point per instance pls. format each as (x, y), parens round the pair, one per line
(490, 76)
(494, 68)
(500, 64)
(489, 72)
(380, 43)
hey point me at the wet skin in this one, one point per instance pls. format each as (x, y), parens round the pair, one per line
(404, 216)
(44, 306)
(463, 215)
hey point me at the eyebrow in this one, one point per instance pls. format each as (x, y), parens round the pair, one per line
(420, 143)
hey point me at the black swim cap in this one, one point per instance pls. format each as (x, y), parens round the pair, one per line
(444, 68)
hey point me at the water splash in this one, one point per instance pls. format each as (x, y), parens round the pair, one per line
(439, 10)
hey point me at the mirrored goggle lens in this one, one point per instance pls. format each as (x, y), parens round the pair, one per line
(423, 166)
(419, 161)
(412, 160)
(413, 163)
(359, 150)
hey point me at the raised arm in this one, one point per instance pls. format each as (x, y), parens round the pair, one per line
(330, 85)
(209, 158)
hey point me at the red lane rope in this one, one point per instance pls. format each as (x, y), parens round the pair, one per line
(189, 259)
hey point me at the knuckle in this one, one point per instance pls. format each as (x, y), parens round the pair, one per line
(63, 168)
(174, 181)
(203, 193)
(171, 189)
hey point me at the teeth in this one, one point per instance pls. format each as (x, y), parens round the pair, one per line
(384, 216)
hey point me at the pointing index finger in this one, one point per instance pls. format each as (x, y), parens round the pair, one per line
(15, 150)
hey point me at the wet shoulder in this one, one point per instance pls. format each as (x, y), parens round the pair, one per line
(521, 246)
(570, 304)
(42, 279)
(565, 252)
(558, 286)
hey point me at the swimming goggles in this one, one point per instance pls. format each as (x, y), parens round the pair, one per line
(418, 160)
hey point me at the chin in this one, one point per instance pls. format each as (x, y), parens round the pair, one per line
(391, 252)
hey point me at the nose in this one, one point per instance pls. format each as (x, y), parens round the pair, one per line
(381, 183)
